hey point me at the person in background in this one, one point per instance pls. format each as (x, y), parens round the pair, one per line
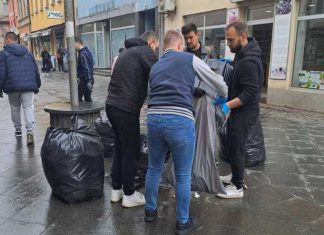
(20, 79)
(84, 71)
(171, 124)
(193, 45)
(115, 59)
(243, 102)
(46, 59)
(126, 95)
(60, 56)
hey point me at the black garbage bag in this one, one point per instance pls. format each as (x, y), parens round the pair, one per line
(142, 163)
(254, 148)
(106, 132)
(73, 162)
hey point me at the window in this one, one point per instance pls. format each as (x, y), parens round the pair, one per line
(260, 13)
(123, 21)
(309, 54)
(211, 28)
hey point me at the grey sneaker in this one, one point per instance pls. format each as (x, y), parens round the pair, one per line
(30, 138)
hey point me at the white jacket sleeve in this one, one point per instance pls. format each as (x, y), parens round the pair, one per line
(206, 75)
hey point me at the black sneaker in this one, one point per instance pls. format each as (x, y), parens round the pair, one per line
(188, 227)
(18, 134)
(150, 216)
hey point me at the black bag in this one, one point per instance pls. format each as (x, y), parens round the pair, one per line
(73, 162)
(255, 153)
(105, 130)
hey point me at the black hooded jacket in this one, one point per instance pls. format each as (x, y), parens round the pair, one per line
(129, 82)
(248, 76)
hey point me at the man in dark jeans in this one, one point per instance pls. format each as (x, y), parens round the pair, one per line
(126, 94)
(244, 91)
(85, 71)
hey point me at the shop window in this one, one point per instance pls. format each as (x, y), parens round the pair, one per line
(197, 19)
(260, 13)
(215, 40)
(87, 28)
(99, 26)
(309, 55)
(215, 18)
(123, 21)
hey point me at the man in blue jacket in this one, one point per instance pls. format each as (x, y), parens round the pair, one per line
(85, 71)
(171, 124)
(20, 79)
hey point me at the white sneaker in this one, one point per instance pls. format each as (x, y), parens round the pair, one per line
(116, 195)
(136, 199)
(227, 179)
(231, 192)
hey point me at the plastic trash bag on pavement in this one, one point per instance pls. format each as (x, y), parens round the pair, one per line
(105, 130)
(73, 162)
(254, 148)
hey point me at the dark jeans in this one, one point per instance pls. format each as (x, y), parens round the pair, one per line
(46, 66)
(239, 126)
(60, 65)
(127, 143)
(84, 91)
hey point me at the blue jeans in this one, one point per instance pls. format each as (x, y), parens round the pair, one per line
(177, 134)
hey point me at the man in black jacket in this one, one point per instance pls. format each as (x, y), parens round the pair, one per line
(243, 101)
(126, 95)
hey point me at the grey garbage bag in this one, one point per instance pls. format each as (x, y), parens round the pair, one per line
(254, 148)
(205, 177)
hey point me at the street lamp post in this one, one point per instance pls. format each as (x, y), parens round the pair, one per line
(69, 29)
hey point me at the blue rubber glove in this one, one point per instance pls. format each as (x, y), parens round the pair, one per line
(226, 110)
(219, 100)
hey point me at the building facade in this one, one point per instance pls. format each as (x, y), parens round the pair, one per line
(4, 21)
(289, 33)
(13, 15)
(24, 23)
(104, 25)
(46, 26)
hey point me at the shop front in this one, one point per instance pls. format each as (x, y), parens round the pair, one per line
(303, 85)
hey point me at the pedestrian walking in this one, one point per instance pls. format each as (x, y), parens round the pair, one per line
(60, 56)
(46, 59)
(171, 124)
(243, 102)
(84, 71)
(193, 44)
(126, 95)
(20, 79)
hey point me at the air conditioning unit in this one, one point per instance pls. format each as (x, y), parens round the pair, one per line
(166, 6)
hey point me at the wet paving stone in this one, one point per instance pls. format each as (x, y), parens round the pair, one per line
(285, 196)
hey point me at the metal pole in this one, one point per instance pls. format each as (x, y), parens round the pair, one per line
(69, 32)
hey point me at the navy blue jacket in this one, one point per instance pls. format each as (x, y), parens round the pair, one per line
(172, 80)
(18, 70)
(85, 64)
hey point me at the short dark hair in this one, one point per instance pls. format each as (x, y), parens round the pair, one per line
(239, 26)
(78, 40)
(11, 36)
(150, 35)
(189, 28)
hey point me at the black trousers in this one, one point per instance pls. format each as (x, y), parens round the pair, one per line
(84, 91)
(60, 65)
(127, 143)
(239, 127)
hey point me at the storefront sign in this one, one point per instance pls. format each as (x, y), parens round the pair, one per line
(55, 15)
(281, 40)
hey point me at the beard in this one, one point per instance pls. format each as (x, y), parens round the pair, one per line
(237, 48)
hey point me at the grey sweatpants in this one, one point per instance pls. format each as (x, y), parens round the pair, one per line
(26, 101)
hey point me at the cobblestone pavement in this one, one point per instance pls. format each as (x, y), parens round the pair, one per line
(286, 196)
